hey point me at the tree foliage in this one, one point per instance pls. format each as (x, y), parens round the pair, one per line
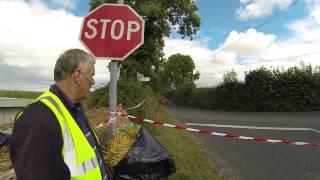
(179, 77)
(161, 17)
(182, 95)
(179, 69)
(230, 77)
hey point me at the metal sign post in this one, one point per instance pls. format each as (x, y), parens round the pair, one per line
(112, 31)
(113, 90)
(113, 94)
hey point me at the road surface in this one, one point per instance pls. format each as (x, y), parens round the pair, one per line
(249, 160)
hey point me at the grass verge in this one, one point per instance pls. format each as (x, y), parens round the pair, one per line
(191, 160)
(19, 94)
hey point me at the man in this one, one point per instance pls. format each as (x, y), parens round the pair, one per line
(52, 139)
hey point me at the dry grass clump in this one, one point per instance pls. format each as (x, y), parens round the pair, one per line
(5, 163)
(115, 149)
(119, 146)
(97, 115)
(5, 126)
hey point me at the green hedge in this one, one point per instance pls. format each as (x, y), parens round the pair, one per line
(294, 89)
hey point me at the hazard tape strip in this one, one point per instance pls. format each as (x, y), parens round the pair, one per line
(106, 122)
(234, 136)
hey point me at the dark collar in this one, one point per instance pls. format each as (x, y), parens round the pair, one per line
(59, 92)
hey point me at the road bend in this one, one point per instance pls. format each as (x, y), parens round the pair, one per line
(249, 160)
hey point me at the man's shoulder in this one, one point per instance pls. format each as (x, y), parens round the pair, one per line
(36, 109)
(36, 113)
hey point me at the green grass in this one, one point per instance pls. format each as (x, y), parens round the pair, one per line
(19, 94)
(191, 160)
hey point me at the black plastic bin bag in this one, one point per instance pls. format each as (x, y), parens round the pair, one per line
(146, 160)
(4, 139)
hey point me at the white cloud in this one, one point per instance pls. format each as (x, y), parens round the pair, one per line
(245, 51)
(210, 73)
(250, 42)
(32, 37)
(308, 29)
(68, 4)
(254, 49)
(224, 57)
(199, 53)
(315, 14)
(253, 9)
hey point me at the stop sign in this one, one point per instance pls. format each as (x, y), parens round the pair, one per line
(112, 31)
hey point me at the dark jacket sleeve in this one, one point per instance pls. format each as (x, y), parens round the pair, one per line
(36, 146)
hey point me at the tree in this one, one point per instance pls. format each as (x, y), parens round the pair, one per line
(161, 17)
(179, 70)
(183, 93)
(259, 85)
(230, 77)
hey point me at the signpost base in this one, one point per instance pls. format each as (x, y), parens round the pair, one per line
(113, 94)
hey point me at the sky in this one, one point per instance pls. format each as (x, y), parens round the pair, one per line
(239, 35)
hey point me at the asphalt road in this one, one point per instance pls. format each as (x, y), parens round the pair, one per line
(249, 160)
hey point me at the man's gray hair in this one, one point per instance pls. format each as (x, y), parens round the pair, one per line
(71, 60)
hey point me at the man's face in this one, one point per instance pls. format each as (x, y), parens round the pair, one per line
(86, 81)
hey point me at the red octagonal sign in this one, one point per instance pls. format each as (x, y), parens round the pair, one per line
(112, 31)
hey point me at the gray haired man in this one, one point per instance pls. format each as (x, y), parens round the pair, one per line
(52, 139)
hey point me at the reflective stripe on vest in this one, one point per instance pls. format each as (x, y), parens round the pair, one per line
(80, 164)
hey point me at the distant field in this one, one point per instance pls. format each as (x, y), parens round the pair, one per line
(19, 94)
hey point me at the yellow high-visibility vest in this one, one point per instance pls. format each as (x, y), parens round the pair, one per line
(77, 152)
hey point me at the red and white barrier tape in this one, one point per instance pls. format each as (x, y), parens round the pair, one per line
(106, 122)
(118, 110)
(234, 136)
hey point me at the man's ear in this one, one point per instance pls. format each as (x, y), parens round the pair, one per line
(76, 75)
